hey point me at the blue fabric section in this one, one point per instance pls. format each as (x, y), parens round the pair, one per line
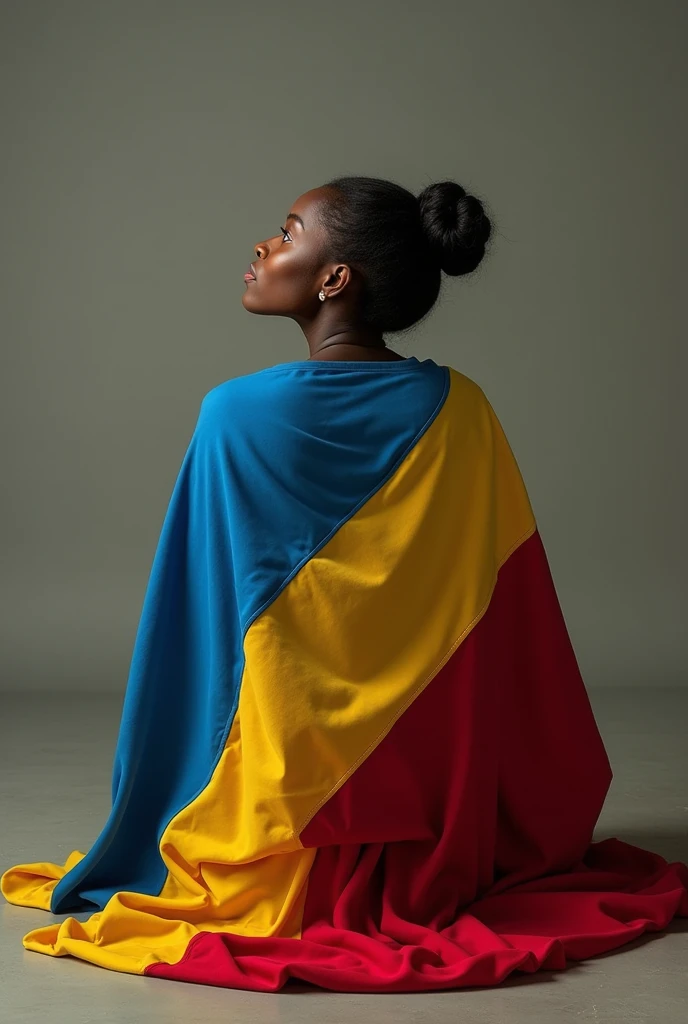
(278, 460)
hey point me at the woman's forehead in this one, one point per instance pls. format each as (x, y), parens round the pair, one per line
(304, 208)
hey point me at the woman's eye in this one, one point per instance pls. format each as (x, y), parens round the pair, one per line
(285, 232)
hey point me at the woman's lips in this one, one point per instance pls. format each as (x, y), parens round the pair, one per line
(250, 275)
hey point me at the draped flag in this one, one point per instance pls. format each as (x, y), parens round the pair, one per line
(355, 748)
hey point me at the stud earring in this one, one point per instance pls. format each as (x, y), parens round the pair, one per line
(321, 295)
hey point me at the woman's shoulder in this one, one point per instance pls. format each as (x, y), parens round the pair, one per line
(243, 387)
(468, 388)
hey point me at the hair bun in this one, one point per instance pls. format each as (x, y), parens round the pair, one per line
(455, 225)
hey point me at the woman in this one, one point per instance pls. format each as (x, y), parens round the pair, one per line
(355, 748)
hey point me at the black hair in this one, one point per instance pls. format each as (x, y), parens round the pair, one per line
(400, 243)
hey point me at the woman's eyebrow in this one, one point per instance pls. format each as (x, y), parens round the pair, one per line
(295, 216)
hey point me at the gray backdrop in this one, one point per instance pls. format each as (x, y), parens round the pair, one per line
(147, 146)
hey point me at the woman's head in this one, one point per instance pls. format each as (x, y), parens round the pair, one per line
(376, 251)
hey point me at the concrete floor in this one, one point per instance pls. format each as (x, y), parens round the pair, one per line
(56, 757)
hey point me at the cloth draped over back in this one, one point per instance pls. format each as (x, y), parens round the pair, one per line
(355, 748)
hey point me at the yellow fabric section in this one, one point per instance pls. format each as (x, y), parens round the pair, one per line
(331, 664)
(31, 885)
(264, 897)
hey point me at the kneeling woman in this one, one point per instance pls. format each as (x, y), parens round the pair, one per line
(356, 748)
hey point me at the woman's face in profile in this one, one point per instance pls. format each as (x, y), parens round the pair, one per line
(286, 268)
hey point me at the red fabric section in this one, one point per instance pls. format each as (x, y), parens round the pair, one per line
(460, 850)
